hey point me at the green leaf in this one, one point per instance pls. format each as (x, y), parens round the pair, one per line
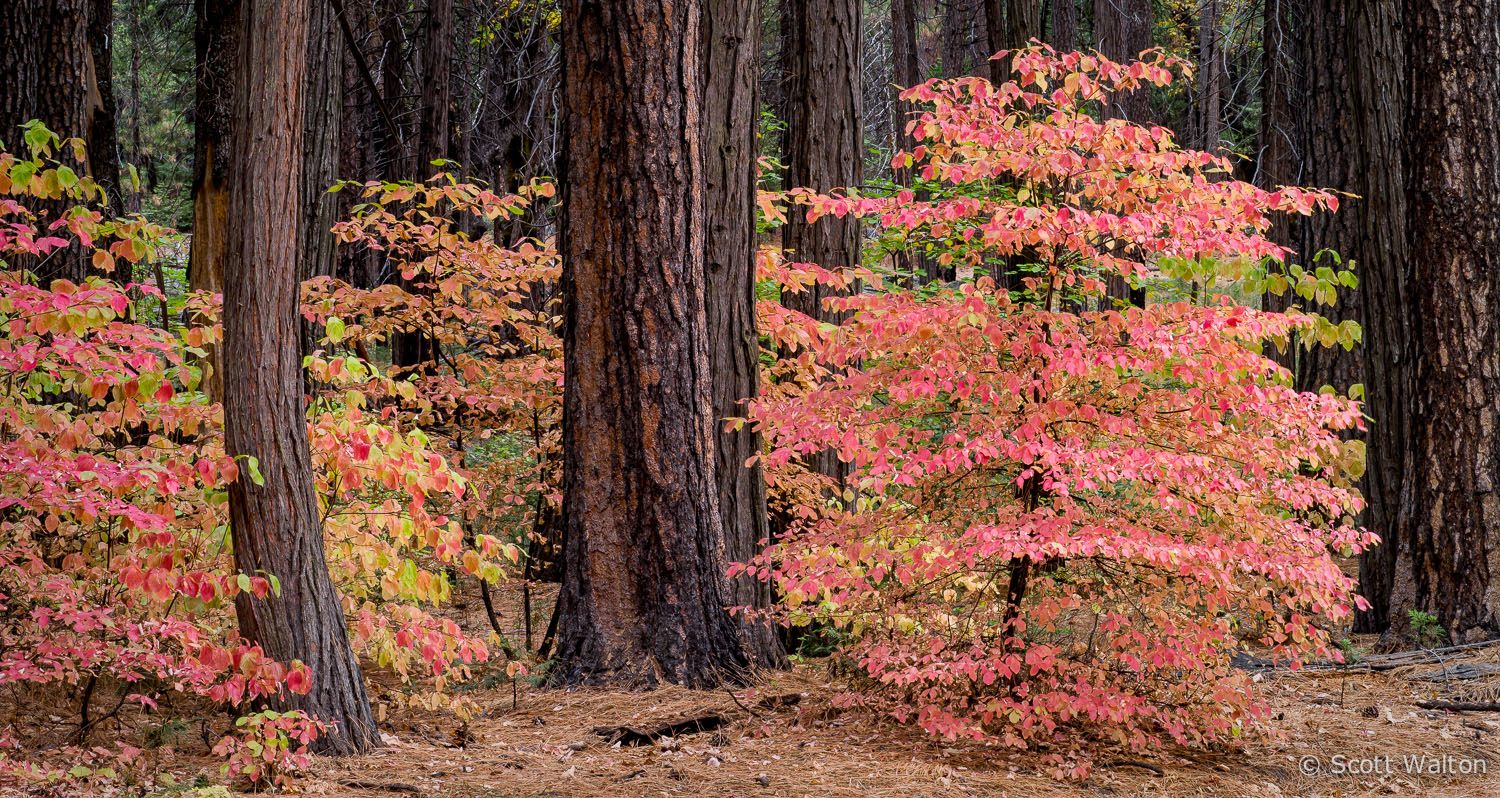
(335, 328)
(66, 177)
(244, 582)
(252, 465)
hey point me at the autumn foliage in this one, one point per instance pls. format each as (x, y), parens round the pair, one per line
(1065, 515)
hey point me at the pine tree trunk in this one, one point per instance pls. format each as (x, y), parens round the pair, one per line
(824, 149)
(964, 39)
(731, 54)
(1063, 25)
(47, 72)
(1011, 25)
(103, 141)
(1448, 557)
(275, 526)
(412, 349)
(645, 589)
(1122, 29)
(324, 98)
(1378, 82)
(216, 40)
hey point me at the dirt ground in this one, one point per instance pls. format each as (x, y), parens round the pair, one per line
(1336, 734)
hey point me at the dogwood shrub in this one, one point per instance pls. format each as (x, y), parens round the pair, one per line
(1065, 515)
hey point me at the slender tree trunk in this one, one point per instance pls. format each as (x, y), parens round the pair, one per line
(1210, 78)
(216, 41)
(731, 54)
(906, 72)
(1378, 80)
(358, 133)
(824, 148)
(645, 589)
(1448, 557)
(275, 525)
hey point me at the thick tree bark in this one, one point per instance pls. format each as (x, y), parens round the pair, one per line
(1378, 81)
(645, 589)
(275, 526)
(436, 88)
(731, 54)
(216, 40)
(1307, 140)
(1448, 557)
(824, 149)
(1208, 122)
(47, 72)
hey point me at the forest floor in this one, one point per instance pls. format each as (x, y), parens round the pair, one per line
(785, 739)
(542, 743)
(545, 746)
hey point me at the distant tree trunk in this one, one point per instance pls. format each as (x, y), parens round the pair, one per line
(324, 98)
(906, 72)
(964, 38)
(731, 54)
(413, 348)
(215, 39)
(1209, 122)
(1279, 156)
(1063, 25)
(1011, 24)
(1378, 80)
(1307, 141)
(103, 140)
(1449, 546)
(47, 72)
(358, 134)
(1122, 29)
(436, 88)
(824, 148)
(644, 591)
(275, 526)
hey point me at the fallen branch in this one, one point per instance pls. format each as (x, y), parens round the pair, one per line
(1134, 763)
(1462, 706)
(380, 785)
(630, 735)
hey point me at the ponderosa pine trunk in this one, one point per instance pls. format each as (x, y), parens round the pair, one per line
(645, 591)
(731, 56)
(824, 150)
(1448, 553)
(103, 140)
(1378, 90)
(1307, 141)
(47, 72)
(275, 526)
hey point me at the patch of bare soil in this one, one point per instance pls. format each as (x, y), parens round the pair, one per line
(1335, 734)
